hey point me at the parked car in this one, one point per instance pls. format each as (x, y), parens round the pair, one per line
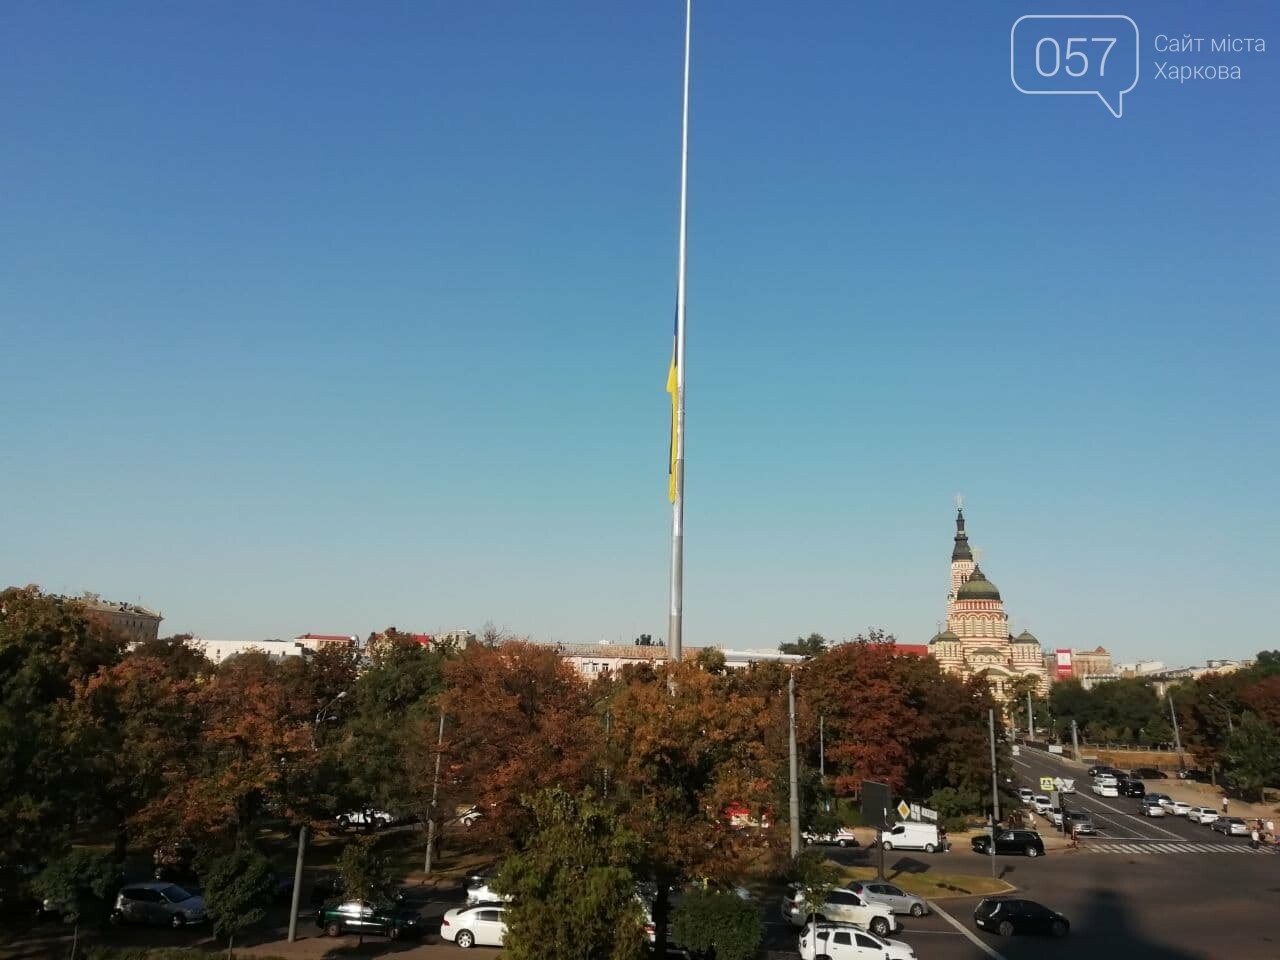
(1151, 807)
(1179, 808)
(840, 941)
(1132, 788)
(1025, 794)
(1054, 816)
(1106, 788)
(895, 898)
(330, 886)
(479, 891)
(842, 904)
(1202, 814)
(1199, 776)
(844, 837)
(1041, 802)
(1080, 822)
(1102, 768)
(1231, 826)
(476, 924)
(160, 904)
(913, 836)
(1020, 842)
(1007, 916)
(364, 918)
(1149, 773)
(369, 819)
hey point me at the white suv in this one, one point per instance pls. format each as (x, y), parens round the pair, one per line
(843, 905)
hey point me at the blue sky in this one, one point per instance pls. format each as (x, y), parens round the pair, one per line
(327, 317)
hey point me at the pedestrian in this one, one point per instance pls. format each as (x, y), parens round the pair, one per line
(1253, 838)
(1224, 806)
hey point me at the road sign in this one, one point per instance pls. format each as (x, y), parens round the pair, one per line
(903, 809)
(923, 814)
(1046, 783)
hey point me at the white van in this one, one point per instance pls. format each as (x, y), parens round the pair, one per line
(913, 836)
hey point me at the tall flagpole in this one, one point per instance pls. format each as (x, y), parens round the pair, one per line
(675, 625)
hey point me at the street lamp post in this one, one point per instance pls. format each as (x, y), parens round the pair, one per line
(321, 716)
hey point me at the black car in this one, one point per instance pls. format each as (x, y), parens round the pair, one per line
(1026, 843)
(1007, 916)
(1102, 768)
(1131, 788)
(1199, 776)
(1150, 773)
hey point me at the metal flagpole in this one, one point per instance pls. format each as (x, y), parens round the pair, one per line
(675, 625)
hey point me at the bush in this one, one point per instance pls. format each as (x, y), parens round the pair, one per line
(706, 921)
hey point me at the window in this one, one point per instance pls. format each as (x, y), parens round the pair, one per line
(864, 941)
(843, 938)
(891, 890)
(493, 916)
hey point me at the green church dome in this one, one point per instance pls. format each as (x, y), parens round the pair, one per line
(978, 587)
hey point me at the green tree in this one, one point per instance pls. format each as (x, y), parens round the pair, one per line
(573, 888)
(1251, 760)
(813, 876)
(80, 886)
(237, 889)
(365, 871)
(718, 924)
(47, 646)
(810, 646)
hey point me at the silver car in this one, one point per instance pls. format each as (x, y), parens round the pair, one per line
(896, 899)
(159, 904)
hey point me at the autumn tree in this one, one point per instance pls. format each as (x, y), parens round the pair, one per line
(254, 749)
(520, 719)
(693, 746)
(573, 890)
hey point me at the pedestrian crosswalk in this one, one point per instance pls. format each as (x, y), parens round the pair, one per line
(1185, 846)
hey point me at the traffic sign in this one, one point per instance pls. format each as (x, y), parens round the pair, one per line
(1046, 783)
(903, 809)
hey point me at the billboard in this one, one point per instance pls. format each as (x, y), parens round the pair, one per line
(1063, 659)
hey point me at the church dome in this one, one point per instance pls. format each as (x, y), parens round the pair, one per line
(1026, 637)
(977, 587)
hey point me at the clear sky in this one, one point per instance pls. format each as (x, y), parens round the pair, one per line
(332, 316)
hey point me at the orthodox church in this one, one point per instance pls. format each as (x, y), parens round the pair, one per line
(976, 639)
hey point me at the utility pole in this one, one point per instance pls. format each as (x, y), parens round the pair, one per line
(995, 788)
(822, 745)
(1075, 741)
(435, 792)
(795, 773)
(1177, 737)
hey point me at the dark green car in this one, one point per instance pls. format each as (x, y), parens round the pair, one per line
(357, 916)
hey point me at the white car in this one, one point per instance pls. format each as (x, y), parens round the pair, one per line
(479, 891)
(1152, 809)
(844, 837)
(843, 905)
(1041, 802)
(1179, 808)
(476, 925)
(1202, 814)
(364, 818)
(1024, 794)
(1106, 778)
(1103, 789)
(1053, 815)
(840, 941)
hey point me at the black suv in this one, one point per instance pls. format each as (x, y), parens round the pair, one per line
(1007, 916)
(1025, 843)
(1150, 773)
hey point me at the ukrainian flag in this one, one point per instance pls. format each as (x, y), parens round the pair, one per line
(673, 388)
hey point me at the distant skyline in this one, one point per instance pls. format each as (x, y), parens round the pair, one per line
(326, 318)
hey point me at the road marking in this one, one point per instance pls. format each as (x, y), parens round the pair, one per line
(1187, 846)
(980, 944)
